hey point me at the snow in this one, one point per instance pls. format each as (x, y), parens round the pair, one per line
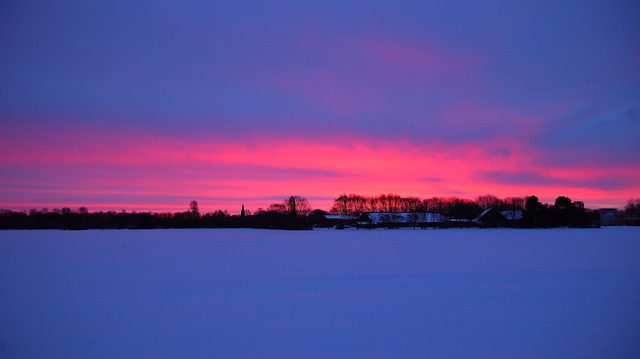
(438, 293)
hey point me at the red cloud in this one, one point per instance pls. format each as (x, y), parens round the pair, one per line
(108, 170)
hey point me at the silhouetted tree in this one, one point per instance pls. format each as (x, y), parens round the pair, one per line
(462, 208)
(373, 204)
(488, 201)
(512, 205)
(194, 210)
(217, 219)
(532, 215)
(580, 216)
(341, 205)
(437, 205)
(562, 212)
(290, 214)
(277, 208)
(411, 204)
(352, 204)
(632, 212)
(297, 206)
(294, 212)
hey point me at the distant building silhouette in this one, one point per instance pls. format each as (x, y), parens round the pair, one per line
(242, 211)
(610, 217)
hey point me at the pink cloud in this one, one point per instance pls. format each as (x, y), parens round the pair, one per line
(107, 170)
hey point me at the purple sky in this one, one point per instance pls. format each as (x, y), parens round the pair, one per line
(148, 104)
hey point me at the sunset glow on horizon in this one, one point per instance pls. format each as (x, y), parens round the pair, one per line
(125, 106)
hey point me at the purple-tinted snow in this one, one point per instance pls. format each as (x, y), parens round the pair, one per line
(465, 293)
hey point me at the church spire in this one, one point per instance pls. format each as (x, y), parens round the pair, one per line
(242, 211)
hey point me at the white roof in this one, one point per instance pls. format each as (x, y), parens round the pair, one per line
(340, 217)
(477, 219)
(405, 217)
(512, 215)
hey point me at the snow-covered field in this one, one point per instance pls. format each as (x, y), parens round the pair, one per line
(456, 293)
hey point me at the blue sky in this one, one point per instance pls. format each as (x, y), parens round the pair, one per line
(499, 96)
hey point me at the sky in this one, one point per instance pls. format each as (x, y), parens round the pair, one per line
(147, 105)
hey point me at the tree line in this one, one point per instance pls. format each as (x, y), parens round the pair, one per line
(356, 205)
(563, 212)
(295, 212)
(292, 213)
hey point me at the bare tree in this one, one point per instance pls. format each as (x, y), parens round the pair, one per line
(513, 205)
(341, 205)
(359, 204)
(297, 206)
(373, 204)
(276, 207)
(389, 202)
(632, 212)
(437, 205)
(488, 201)
(411, 204)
